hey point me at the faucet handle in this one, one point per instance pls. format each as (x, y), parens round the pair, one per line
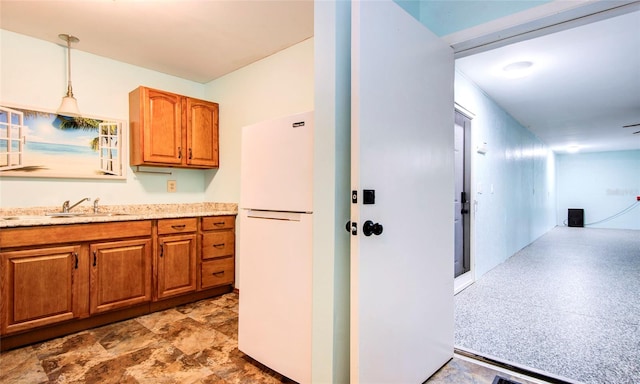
(65, 206)
(95, 204)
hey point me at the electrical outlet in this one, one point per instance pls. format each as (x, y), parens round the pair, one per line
(172, 185)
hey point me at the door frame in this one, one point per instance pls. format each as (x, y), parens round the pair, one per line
(534, 22)
(466, 279)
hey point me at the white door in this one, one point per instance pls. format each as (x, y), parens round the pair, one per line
(402, 147)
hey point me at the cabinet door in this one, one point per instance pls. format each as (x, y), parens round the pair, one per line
(176, 266)
(162, 125)
(202, 133)
(120, 274)
(38, 287)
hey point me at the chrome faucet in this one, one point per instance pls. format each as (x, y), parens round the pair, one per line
(66, 208)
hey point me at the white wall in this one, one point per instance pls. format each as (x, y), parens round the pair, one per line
(513, 183)
(33, 74)
(603, 184)
(279, 85)
(331, 258)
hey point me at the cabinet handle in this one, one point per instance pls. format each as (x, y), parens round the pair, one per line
(178, 226)
(190, 154)
(221, 245)
(161, 250)
(95, 258)
(219, 223)
(179, 152)
(220, 273)
(76, 256)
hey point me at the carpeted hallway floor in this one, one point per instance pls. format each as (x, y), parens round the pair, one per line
(567, 304)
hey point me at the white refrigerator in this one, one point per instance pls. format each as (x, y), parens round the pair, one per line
(275, 244)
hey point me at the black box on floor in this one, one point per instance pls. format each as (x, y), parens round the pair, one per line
(576, 217)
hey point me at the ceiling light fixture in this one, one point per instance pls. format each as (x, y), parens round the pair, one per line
(518, 69)
(69, 105)
(573, 148)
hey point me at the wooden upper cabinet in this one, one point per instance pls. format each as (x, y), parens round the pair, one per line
(202, 133)
(171, 130)
(162, 136)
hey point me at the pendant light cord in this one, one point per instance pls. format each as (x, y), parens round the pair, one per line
(69, 89)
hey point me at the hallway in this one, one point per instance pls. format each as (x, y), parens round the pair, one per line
(567, 304)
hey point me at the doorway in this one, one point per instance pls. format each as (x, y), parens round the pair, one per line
(462, 206)
(507, 222)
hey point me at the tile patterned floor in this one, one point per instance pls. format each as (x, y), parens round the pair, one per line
(194, 343)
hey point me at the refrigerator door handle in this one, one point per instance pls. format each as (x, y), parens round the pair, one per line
(274, 215)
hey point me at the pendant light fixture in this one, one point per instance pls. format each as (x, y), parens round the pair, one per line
(69, 105)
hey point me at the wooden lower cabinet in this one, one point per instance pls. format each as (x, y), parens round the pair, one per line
(218, 251)
(176, 265)
(120, 274)
(38, 287)
(217, 272)
(59, 279)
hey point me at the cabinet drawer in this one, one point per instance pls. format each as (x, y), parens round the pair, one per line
(217, 244)
(166, 226)
(218, 222)
(217, 272)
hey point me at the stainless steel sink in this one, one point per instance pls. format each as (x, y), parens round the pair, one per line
(63, 214)
(104, 214)
(25, 217)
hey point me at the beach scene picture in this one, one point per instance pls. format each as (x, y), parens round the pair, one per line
(43, 144)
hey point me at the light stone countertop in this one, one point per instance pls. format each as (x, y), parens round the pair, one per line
(35, 216)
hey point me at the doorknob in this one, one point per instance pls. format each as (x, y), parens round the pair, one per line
(370, 228)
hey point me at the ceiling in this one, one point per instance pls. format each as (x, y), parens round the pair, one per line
(584, 87)
(194, 40)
